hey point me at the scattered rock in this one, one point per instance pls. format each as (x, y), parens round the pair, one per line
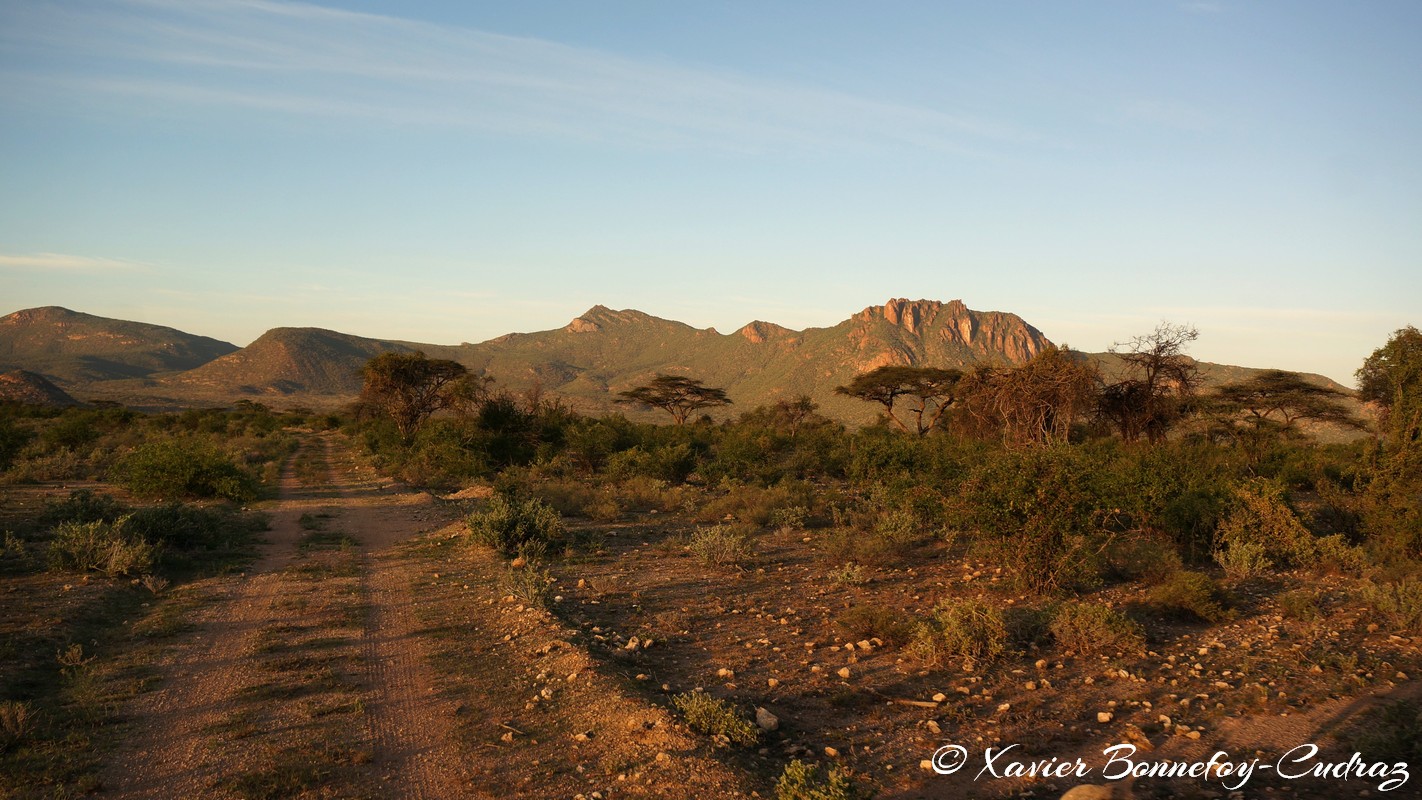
(1104, 716)
(765, 720)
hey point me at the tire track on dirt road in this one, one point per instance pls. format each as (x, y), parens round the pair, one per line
(411, 727)
(167, 752)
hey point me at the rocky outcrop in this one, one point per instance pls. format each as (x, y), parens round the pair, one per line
(21, 386)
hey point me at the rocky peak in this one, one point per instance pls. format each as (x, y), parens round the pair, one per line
(30, 316)
(758, 332)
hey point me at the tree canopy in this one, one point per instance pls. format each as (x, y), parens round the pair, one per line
(1276, 399)
(409, 387)
(1391, 377)
(1035, 403)
(1158, 383)
(677, 395)
(928, 390)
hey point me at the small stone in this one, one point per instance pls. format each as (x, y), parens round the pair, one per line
(1104, 716)
(582, 737)
(865, 644)
(1192, 735)
(926, 765)
(508, 737)
(933, 727)
(772, 682)
(843, 672)
(1041, 663)
(831, 752)
(633, 643)
(940, 697)
(725, 673)
(1004, 707)
(663, 758)
(765, 720)
(1030, 686)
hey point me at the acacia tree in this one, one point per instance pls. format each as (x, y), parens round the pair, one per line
(677, 395)
(928, 391)
(1158, 386)
(409, 387)
(1035, 403)
(1274, 400)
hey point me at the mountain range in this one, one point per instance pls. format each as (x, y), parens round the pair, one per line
(586, 362)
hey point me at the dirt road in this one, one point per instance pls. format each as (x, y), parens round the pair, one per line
(370, 653)
(199, 735)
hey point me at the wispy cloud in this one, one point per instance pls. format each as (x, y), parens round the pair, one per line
(316, 62)
(64, 262)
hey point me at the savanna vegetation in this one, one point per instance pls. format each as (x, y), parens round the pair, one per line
(1041, 520)
(1108, 516)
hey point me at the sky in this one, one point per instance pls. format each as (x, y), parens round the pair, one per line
(452, 171)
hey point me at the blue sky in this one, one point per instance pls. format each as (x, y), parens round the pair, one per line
(449, 172)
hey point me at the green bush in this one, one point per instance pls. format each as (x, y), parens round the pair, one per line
(512, 525)
(1090, 628)
(802, 781)
(1399, 604)
(1244, 560)
(13, 439)
(1040, 512)
(1191, 593)
(1301, 604)
(1266, 529)
(82, 505)
(108, 547)
(1391, 734)
(973, 631)
(712, 717)
(867, 621)
(722, 545)
(171, 468)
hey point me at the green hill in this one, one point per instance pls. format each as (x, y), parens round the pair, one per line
(74, 349)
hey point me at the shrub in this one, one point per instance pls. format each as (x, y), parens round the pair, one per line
(671, 463)
(180, 526)
(1301, 604)
(531, 585)
(792, 517)
(1142, 558)
(104, 546)
(1244, 560)
(1192, 593)
(865, 621)
(969, 629)
(1399, 604)
(1392, 734)
(511, 525)
(754, 504)
(802, 781)
(712, 717)
(721, 545)
(82, 505)
(13, 439)
(1088, 628)
(17, 721)
(891, 537)
(184, 468)
(1043, 511)
(850, 574)
(1264, 525)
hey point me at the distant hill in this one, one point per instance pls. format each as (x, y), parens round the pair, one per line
(74, 349)
(20, 386)
(585, 363)
(603, 352)
(290, 361)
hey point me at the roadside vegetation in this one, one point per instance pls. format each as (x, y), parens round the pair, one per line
(110, 520)
(1041, 550)
(995, 522)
